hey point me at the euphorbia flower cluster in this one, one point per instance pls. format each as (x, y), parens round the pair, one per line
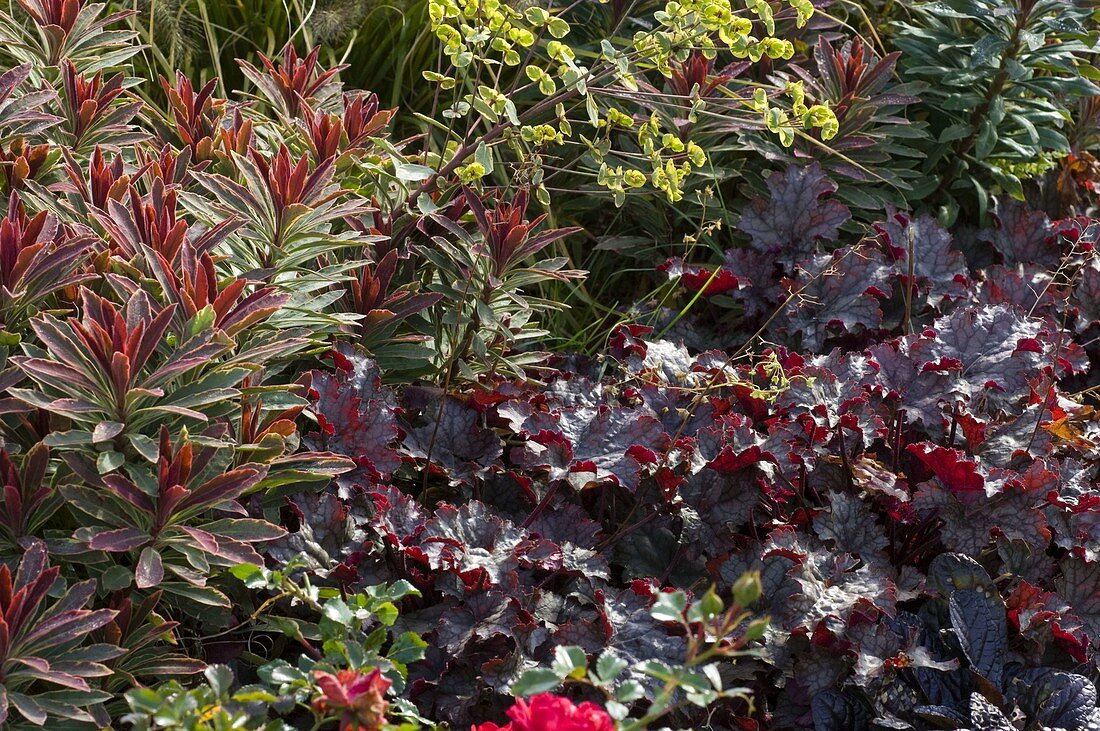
(548, 712)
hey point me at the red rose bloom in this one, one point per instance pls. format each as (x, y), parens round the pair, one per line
(547, 712)
(359, 699)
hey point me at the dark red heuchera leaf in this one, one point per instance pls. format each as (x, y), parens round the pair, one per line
(939, 270)
(1046, 621)
(626, 341)
(330, 531)
(842, 290)
(461, 549)
(399, 521)
(960, 475)
(723, 500)
(797, 215)
(473, 543)
(449, 436)
(731, 443)
(1024, 236)
(989, 353)
(605, 443)
(575, 534)
(482, 549)
(485, 616)
(356, 415)
(1074, 505)
(701, 279)
(668, 363)
(1012, 439)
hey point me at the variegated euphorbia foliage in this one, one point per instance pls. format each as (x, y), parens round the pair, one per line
(167, 270)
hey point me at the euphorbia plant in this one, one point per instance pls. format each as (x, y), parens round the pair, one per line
(107, 371)
(22, 114)
(483, 276)
(73, 30)
(29, 500)
(37, 259)
(289, 207)
(166, 517)
(43, 644)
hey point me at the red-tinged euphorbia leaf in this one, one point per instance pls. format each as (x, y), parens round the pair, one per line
(120, 539)
(40, 639)
(149, 572)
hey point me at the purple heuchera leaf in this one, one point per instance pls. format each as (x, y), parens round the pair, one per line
(989, 354)
(1006, 502)
(831, 585)
(760, 292)
(467, 548)
(356, 416)
(1079, 585)
(481, 548)
(1024, 236)
(900, 377)
(1027, 287)
(939, 270)
(602, 444)
(723, 501)
(838, 290)
(1086, 294)
(797, 215)
(453, 440)
(485, 616)
(636, 636)
(850, 527)
(575, 534)
(832, 401)
(701, 279)
(330, 530)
